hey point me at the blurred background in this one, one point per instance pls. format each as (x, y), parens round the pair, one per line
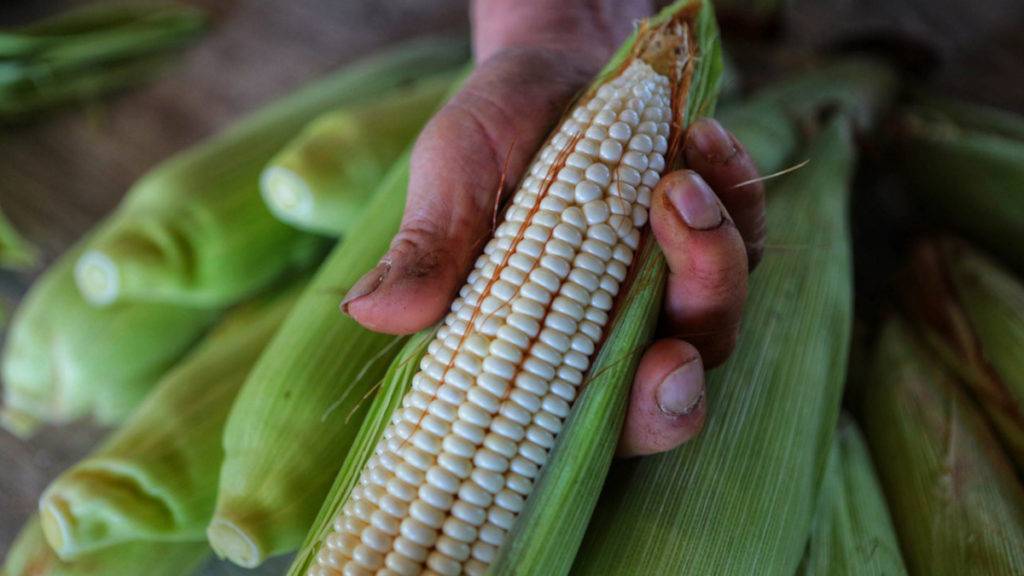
(82, 158)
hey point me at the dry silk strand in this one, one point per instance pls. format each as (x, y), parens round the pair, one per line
(460, 456)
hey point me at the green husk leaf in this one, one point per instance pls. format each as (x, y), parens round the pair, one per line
(322, 179)
(968, 176)
(739, 499)
(852, 532)
(956, 503)
(16, 253)
(394, 385)
(155, 478)
(195, 231)
(65, 359)
(301, 407)
(31, 556)
(550, 528)
(970, 311)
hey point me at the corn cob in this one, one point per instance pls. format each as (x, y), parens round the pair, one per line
(454, 467)
(31, 556)
(64, 359)
(971, 312)
(852, 533)
(307, 390)
(322, 178)
(739, 499)
(195, 231)
(156, 477)
(966, 167)
(956, 503)
(87, 52)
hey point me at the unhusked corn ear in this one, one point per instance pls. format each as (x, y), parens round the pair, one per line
(956, 503)
(64, 359)
(302, 404)
(772, 122)
(970, 311)
(852, 533)
(195, 230)
(966, 167)
(739, 498)
(155, 478)
(30, 555)
(322, 179)
(459, 459)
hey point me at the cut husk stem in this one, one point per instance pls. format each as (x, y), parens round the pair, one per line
(739, 499)
(970, 310)
(966, 167)
(155, 478)
(321, 180)
(852, 533)
(65, 359)
(956, 503)
(30, 555)
(195, 230)
(301, 407)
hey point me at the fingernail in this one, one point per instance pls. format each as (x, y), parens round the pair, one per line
(712, 141)
(681, 391)
(696, 202)
(366, 285)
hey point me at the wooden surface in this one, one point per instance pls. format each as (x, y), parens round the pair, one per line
(58, 177)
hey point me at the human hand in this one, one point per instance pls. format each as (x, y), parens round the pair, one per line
(533, 57)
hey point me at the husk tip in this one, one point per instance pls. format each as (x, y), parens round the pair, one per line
(286, 194)
(231, 542)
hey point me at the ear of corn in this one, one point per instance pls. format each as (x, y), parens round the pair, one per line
(31, 556)
(156, 477)
(969, 175)
(852, 532)
(322, 179)
(971, 312)
(394, 386)
(460, 456)
(65, 359)
(195, 230)
(85, 52)
(739, 499)
(955, 500)
(299, 411)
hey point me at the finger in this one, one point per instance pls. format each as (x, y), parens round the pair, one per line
(666, 405)
(715, 154)
(707, 261)
(488, 130)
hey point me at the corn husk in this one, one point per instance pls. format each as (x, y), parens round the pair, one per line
(322, 179)
(16, 253)
(852, 532)
(31, 556)
(956, 503)
(966, 168)
(155, 478)
(394, 385)
(970, 310)
(739, 499)
(65, 359)
(88, 51)
(300, 409)
(195, 231)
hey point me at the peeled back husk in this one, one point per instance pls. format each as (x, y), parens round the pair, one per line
(195, 230)
(322, 179)
(957, 504)
(970, 310)
(30, 555)
(65, 359)
(852, 533)
(155, 478)
(739, 499)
